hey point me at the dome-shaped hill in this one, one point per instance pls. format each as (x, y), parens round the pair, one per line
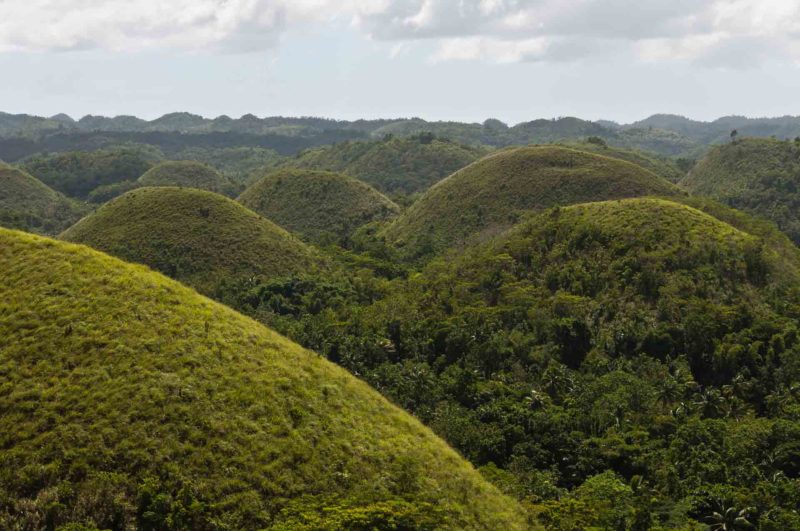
(317, 204)
(658, 164)
(189, 174)
(758, 175)
(392, 165)
(198, 237)
(488, 196)
(130, 401)
(28, 204)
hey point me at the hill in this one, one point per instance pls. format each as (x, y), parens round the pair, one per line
(28, 204)
(757, 175)
(614, 364)
(319, 205)
(392, 165)
(195, 236)
(660, 165)
(78, 173)
(491, 194)
(189, 174)
(132, 402)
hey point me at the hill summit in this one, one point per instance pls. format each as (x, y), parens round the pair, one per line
(489, 195)
(317, 204)
(190, 174)
(198, 237)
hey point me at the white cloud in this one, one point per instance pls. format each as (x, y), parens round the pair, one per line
(718, 33)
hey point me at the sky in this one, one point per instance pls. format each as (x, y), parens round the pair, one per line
(465, 60)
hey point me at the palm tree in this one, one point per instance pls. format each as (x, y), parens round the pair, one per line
(729, 519)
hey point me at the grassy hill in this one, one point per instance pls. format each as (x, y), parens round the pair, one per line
(615, 364)
(189, 174)
(491, 194)
(129, 401)
(78, 173)
(661, 166)
(198, 237)
(28, 204)
(756, 175)
(393, 165)
(320, 205)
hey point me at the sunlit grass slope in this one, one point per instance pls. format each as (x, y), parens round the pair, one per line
(28, 204)
(198, 237)
(660, 165)
(757, 175)
(129, 401)
(489, 196)
(317, 204)
(188, 173)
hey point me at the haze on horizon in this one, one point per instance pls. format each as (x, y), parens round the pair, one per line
(462, 60)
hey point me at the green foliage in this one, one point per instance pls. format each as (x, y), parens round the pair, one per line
(604, 362)
(28, 204)
(490, 195)
(129, 401)
(658, 164)
(190, 174)
(393, 165)
(756, 175)
(77, 173)
(197, 237)
(237, 163)
(322, 206)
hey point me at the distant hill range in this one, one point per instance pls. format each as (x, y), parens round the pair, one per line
(22, 135)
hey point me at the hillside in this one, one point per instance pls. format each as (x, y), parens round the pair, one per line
(322, 206)
(491, 194)
(132, 402)
(624, 364)
(392, 165)
(188, 174)
(195, 236)
(78, 173)
(661, 166)
(28, 204)
(757, 175)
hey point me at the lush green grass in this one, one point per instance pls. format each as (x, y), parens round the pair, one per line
(489, 196)
(620, 364)
(28, 204)
(392, 165)
(77, 173)
(189, 174)
(756, 175)
(130, 401)
(660, 165)
(200, 238)
(322, 206)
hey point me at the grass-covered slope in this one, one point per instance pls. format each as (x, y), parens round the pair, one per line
(758, 175)
(658, 164)
(189, 174)
(319, 205)
(129, 401)
(393, 165)
(28, 204)
(198, 237)
(489, 195)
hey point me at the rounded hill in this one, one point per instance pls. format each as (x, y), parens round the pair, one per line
(319, 205)
(757, 175)
(392, 165)
(28, 204)
(489, 195)
(198, 237)
(189, 174)
(131, 401)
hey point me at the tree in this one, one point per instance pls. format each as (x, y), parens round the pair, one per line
(734, 134)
